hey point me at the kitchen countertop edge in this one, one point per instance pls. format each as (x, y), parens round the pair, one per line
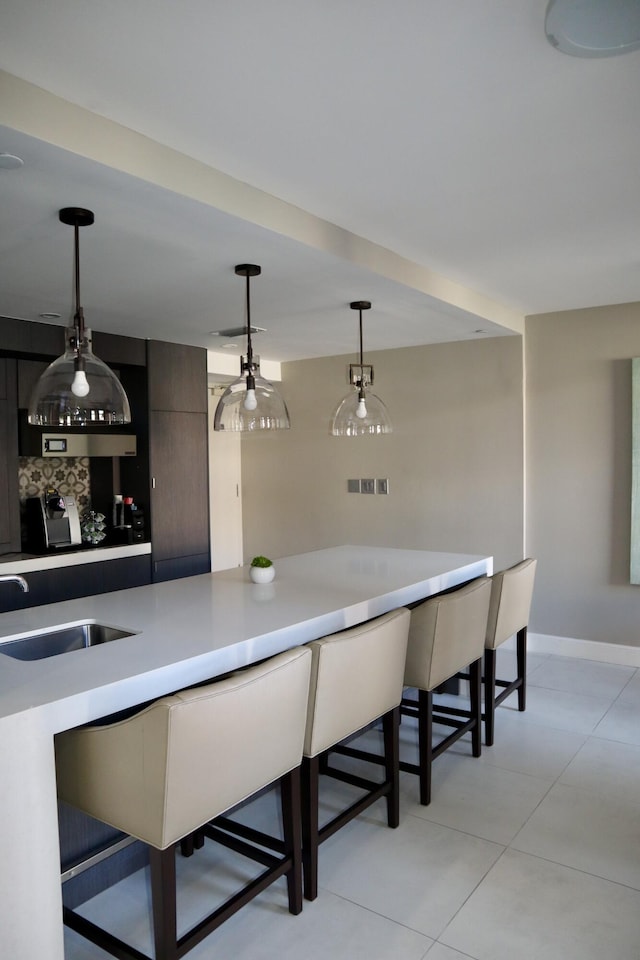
(55, 561)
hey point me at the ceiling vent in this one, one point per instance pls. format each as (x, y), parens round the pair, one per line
(236, 331)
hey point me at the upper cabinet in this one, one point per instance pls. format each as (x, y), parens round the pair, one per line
(29, 372)
(177, 377)
(9, 512)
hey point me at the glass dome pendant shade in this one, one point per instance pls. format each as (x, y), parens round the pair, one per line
(78, 389)
(593, 28)
(361, 412)
(250, 403)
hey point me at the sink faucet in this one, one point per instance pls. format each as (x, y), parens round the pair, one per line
(15, 578)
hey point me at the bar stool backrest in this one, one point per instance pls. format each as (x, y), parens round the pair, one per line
(511, 593)
(447, 633)
(167, 770)
(356, 677)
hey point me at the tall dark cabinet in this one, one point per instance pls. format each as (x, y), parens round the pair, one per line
(178, 460)
(9, 515)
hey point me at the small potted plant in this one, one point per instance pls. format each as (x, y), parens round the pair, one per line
(262, 570)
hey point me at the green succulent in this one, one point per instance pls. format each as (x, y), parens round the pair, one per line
(261, 562)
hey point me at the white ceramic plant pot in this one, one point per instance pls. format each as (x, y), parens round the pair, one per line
(262, 574)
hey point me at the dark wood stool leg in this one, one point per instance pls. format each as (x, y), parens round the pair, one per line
(194, 841)
(290, 800)
(489, 694)
(475, 693)
(163, 899)
(425, 743)
(198, 839)
(391, 733)
(521, 654)
(187, 845)
(310, 843)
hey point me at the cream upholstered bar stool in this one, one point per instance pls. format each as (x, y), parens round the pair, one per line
(356, 679)
(447, 634)
(178, 764)
(511, 593)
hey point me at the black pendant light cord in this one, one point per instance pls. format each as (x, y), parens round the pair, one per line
(79, 313)
(251, 380)
(361, 305)
(249, 270)
(361, 391)
(77, 217)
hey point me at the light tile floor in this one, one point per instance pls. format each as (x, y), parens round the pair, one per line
(531, 851)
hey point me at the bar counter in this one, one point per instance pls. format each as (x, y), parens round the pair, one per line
(184, 631)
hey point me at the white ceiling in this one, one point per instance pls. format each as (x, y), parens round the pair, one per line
(502, 174)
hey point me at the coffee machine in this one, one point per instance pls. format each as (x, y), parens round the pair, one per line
(52, 522)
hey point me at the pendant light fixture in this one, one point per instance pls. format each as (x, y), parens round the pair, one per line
(250, 403)
(78, 389)
(361, 412)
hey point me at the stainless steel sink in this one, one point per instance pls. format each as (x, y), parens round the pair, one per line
(64, 639)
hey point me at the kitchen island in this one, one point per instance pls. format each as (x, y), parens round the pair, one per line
(183, 632)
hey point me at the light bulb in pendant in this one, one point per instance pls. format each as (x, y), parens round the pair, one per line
(80, 385)
(250, 402)
(361, 409)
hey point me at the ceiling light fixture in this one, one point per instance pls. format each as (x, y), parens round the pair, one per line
(8, 161)
(593, 28)
(361, 412)
(250, 403)
(78, 389)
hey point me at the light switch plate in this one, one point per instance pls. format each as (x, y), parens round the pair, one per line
(382, 485)
(353, 486)
(367, 486)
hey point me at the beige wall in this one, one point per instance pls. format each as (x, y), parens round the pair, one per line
(454, 460)
(578, 472)
(454, 463)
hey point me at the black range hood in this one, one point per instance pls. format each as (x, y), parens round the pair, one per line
(88, 445)
(75, 442)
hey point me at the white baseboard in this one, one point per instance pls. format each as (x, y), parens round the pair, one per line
(620, 653)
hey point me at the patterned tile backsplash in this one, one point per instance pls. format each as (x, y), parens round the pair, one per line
(69, 475)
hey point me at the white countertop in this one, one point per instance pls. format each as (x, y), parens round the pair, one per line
(28, 563)
(199, 627)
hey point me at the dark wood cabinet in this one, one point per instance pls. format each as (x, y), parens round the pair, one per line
(27, 338)
(179, 463)
(29, 372)
(178, 460)
(177, 377)
(177, 567)
(83, 580)
(9, 505)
